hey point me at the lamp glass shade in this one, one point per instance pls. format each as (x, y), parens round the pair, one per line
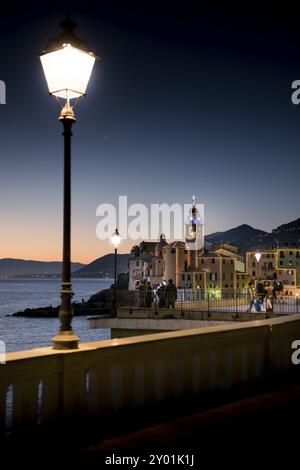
(257, 256)
(116, 239)
(67, 71)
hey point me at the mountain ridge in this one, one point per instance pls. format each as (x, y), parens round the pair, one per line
(24, 267)
(244, 236)
(240, 235)
(104, 266)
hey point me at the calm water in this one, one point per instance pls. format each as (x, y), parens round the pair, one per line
(26, 333)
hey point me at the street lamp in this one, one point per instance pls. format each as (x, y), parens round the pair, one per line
(257, 257)
(116, 240)
(67, 64)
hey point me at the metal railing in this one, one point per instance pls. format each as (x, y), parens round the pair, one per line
(225, 300)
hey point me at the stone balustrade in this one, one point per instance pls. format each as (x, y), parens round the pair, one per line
(41, 386)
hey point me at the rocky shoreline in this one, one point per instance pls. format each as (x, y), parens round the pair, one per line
(98, 304)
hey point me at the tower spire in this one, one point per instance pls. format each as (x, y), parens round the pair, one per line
(194, 209)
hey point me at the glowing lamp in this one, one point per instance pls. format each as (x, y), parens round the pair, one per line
(67, 64)
(257, 257)
(116, 239)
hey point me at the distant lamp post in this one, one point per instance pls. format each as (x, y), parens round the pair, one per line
(257, 257)
(116, 240)
(198, 291)
(67, 64)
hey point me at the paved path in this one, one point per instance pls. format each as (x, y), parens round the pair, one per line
(254, 423)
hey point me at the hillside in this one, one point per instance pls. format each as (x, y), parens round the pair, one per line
(243, 236)
(292, 227)
(104, 266)
(286, 234)
(21, 267)
(247, 237)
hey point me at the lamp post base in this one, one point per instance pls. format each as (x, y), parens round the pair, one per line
(65, 340)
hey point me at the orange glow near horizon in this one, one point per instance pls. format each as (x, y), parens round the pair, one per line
(40, 238)
(48, 248)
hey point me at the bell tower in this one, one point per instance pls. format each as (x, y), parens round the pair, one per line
(193, 234)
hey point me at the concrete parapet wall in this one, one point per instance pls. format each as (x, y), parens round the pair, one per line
(44, 386)
(150, 323)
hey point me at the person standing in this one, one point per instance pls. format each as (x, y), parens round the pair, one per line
(171, 294)
(149, 292)
(161, 293)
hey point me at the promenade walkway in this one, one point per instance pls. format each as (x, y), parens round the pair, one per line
(265, 424)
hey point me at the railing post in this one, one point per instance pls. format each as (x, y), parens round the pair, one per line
(181, 296)
(73, 399)
(208, 306)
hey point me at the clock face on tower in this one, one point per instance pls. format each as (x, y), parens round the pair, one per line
(190, 234)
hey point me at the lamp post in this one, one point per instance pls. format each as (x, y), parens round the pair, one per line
(67, 64)
(116, 240)
(257, 257)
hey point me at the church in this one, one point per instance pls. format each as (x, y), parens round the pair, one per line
(191, 264)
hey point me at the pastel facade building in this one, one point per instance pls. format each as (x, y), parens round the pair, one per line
(289, 259)
(265, 268)
(288, 278)
(174, 260)
(217, 270)
(220, 269)
(280, 264)
(146, 263)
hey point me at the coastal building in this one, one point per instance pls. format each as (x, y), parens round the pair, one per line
(146, 262)
(196, 265)
(288, 259)
(158, 261)
(243, 281)
(220, 269)
(288, 279)
(265, 268)
(191, 264)
(277, 264)
(217, 270)
(175, 260)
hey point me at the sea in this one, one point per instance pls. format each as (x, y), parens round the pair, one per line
(16, 294)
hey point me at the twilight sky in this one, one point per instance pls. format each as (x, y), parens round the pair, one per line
(187, 99)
